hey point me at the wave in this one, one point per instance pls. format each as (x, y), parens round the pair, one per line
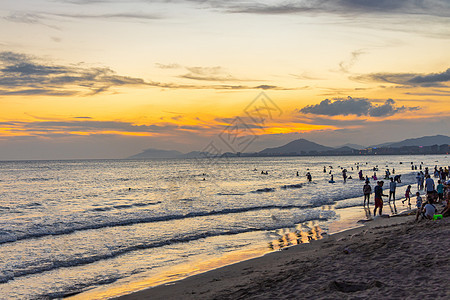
(264, 190)
(125, 206)
(9, 237)
(292, 186)
(230, 194)
(80, 261)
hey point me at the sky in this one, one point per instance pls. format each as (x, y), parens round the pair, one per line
(110, 78)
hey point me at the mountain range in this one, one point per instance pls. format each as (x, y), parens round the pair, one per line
(303, 147)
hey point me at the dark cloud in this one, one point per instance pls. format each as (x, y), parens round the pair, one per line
(408, 79)
(348, 7)
(355, 106)
(21, 74)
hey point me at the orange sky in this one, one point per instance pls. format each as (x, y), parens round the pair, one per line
(108, 79)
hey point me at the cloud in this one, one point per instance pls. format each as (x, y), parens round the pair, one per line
(345, 66)
(341, 7)
(137, 16)
(408, 79)
(355, 106)
(24, 75)
(21, 74)
(168, 66)
(208, 74)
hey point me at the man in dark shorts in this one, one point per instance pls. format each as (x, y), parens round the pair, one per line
(378, 197)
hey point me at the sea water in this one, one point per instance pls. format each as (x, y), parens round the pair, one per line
(69, 226)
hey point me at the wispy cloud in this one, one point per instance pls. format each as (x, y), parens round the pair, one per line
(355, 106)
(21, 74)
(344, 66)
(208, 74)
(124, 15)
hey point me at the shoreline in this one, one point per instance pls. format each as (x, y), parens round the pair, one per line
(348, 221)
(360, 262)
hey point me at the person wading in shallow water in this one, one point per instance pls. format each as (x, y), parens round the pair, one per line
(378, 197)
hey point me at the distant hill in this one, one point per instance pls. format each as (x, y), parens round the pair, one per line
(422, 141)
(353, 146)
(156, 153)
(300, 146)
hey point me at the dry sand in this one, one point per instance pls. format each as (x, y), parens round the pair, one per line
(391, 258)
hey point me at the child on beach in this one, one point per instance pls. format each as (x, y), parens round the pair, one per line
(440, 191)
(408, 195)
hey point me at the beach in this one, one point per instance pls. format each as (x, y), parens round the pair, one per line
(388, 258)
(107, 228)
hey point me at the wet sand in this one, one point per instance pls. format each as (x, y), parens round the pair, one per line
(388, 258)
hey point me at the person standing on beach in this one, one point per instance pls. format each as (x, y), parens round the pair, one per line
(429, 185)
(378, 197)
(418, 205)
(392, 187)
(440, 191)
(367, 189)
(422, 178)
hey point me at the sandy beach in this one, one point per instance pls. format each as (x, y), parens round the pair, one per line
(388, 258)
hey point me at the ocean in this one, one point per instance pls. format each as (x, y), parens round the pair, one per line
(70, 226)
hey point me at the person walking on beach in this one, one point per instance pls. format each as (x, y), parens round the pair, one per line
(392, 187)
(408, 195)
(378, 197)
(367, 189)
(344, 175)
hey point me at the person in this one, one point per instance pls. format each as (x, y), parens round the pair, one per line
(422, 177)
(367, 189)
(331, 180)
(446, 211)
(418, 181)
(440, 191)
(344, 175)
(360, 173)
(378, 197)
(375, 176)
(429, 185)
(429, 209)
(324, 169)
(392, 187)
(407, 195)
(308, 175)
(418, 205)
(397, 178)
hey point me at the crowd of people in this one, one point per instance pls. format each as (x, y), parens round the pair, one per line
(435, 194)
